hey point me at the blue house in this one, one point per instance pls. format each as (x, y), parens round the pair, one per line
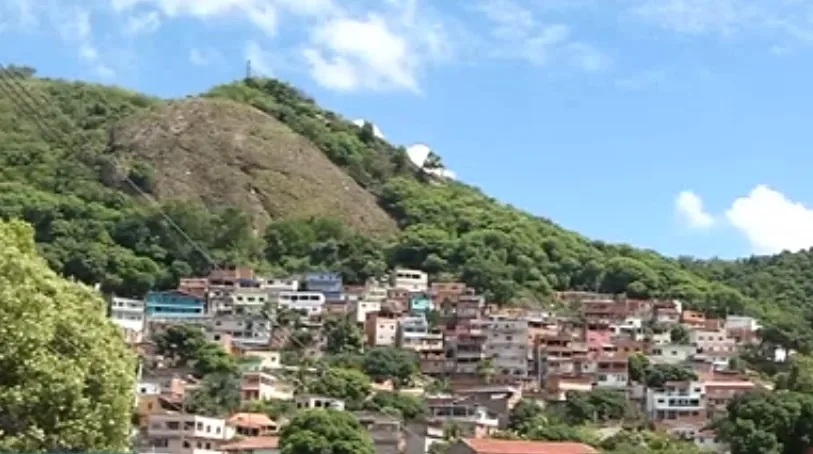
(174, 304)
(420, 303)
(328, 283)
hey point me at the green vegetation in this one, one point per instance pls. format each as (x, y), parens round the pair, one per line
(325, 432)
(68, 379)
(89, 225)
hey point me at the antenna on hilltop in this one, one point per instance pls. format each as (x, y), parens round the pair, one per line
(248, 69)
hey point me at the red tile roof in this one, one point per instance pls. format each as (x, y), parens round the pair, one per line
(250, 443)
(494, 446)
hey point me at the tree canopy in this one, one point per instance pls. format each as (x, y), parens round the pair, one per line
(320, 431)
(68, 378)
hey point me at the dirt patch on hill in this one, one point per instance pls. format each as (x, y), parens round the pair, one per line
(228, 154)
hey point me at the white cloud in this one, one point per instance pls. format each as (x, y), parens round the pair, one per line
(347, 54)
(144, 23)
(771, 222)
(689, 207)
(74, 26)
(261, 13)
(518, 32)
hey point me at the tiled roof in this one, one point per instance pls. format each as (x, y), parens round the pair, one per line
(494, 446)
(252, 443)
(251, 420)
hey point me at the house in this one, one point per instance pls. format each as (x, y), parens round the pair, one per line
(467, 347)
(420, 303)
(174, 304)
(410, 280)
(257, 360)
(229, 276)
(381, 328)
(194, 286)
(495, 446)
(385, 431)
(253, 424)
(671, 353)
(556, 387)
(253, 445)
(506, 342)
(263, 386)
(473, 419)
(414, 334)
(711, 340)
(181, 433)
(612, 370)
(129, 314)
(327, 283)
(363, 307)
(676, 400)
(306, 401)
(311, 303)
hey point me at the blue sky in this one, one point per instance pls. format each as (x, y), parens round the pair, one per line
(678, 125)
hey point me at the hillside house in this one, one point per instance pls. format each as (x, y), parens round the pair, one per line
(174, 304)
(495, 446)
(327, 283)
(409, 280)
(130, 315)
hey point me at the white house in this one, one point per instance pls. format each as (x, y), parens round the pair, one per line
(128, 314)
(412, 280)
(311, 303)
(179, 433)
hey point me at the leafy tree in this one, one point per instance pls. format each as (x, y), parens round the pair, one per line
(524, 416)
(598, 405)
(383, 363)
(320, 431)
(409, 407)
(181, 343)
(67, 376)
(217, 395)
(348, 384)
(343, 335)
(679, 334)
(799, 376)
(768, 422)
(658, 374)
(638, 366)
(211, 358)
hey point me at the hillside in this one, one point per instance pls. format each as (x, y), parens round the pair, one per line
(90, 228)
(222, 153)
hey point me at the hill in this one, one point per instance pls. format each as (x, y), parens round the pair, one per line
(222, 153)
(90, 227)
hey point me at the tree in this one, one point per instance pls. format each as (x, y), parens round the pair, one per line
(343, 335)
(658, 374)
(524, 416)
(382, 363)
(638, 366)
(319, 431)
(348, 384)
(67, 376)
(409, 407)
(779, 422)
(217, 395)
(180, 343)
(211, 358)
(679, 334)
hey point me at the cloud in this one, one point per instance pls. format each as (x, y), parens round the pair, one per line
(518, 32)
(144, 23)
(376, 131)
(203, 57)
(347, 54)
(689, 207)
(261, 13)
(74, 26)
(771, 222)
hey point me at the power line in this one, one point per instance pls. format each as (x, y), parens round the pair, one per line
(20, 96)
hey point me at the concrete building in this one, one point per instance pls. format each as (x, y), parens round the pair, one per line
(506, 342)
(411, 280)
(129, 314)
(179, 433)
(311, 303)
(174, 304)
